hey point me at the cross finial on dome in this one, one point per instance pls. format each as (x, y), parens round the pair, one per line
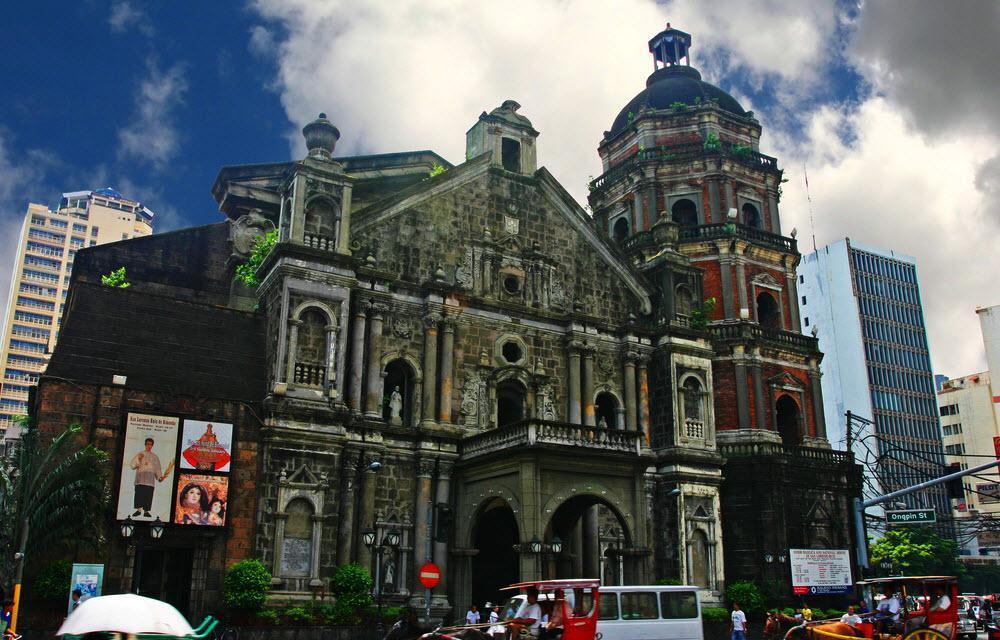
(669, 47)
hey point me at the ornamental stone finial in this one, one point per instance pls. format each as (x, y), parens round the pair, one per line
(321, 137)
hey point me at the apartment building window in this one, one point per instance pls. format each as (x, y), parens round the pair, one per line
(949, 410)
(93, 231)
(93, 242)
(37, 304)
(58, 224)
(76, 242)
(79, 228)
(124, 236)
(37, 220)
(31, 274)
(955, 449)
(952, 429)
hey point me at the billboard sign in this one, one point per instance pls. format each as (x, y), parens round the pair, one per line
(821, 571)
(148, 465)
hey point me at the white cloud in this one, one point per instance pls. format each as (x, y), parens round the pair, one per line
(125, 16)
(415, 75)
(152, 136)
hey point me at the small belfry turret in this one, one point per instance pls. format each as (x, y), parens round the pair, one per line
(669, 47)
(507, 136)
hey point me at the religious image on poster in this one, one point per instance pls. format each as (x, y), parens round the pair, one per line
(147, 467)
(206, 446)
(201, 499)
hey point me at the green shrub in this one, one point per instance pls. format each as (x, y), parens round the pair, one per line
(668, 582)
(437, 170)
(712, 142)
(788, 611)
(747, 594)
(269, 617)
(298, 615)
(53, 580)
(715, 614)
(818, 614)
(702, 313)
(246, 585)
(352, 587)
(116, 280)
(247, 272)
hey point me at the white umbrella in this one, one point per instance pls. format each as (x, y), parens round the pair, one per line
(126, 613)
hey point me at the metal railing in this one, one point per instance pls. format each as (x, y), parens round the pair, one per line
(533, 433)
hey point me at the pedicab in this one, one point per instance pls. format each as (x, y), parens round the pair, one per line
(128, 614)
(921, 616)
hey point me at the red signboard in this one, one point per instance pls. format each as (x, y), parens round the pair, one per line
(430, 575)
(996, 446)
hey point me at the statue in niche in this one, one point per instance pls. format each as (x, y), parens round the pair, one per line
(602, 423)
(396, 407)
(389, 575)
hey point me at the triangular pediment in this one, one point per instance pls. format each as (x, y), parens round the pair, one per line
(784, 379)
(302, 476)
(767, 280)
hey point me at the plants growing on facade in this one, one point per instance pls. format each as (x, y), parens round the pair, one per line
(678, 106)
(702, 313)
(246, 585)
(116, 279)
(741, 150)
(712, 142)
(247, 272)
(437, 170)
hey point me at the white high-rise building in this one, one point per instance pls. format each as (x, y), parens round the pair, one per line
(47, 244)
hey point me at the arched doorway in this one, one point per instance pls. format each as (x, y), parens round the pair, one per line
(512, 401)
(768, 314)
(399, 377)
(496, 565)
(751, 217)
(596, 542)
(620, 230)
(787, 419)
(698, 559)
(684, 212)
(606, 407)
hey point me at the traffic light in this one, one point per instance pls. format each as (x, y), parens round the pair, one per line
(442, 522)
(955, 487)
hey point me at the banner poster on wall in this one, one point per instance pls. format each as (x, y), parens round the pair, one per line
(148, 463)
(201, 499)
(85, 579)
(206, 446)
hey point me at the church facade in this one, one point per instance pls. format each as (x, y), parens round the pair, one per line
(518, 388)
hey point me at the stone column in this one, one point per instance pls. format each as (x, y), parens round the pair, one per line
(576, 546)
(758, 389)
(429, 401)
(652, 207)
(369, 479)
(631, 410)
(373, 386)
(421, 525)
(742, 397)
(644, 417)
(357, 356)
(741, 284)
(293, 342)
(589, 415)
(574, 382)
(591, 543)
(791, 286)
(345, 525)
(443, 496)
(447, 364)
(726, 274)
(331, 360)
(815, 385)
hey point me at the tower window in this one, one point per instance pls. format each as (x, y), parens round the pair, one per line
(621, 230)
(751, 217)
(685, 213)
(768, 314)
(511, 154)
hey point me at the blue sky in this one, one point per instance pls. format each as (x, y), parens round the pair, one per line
(899, 138)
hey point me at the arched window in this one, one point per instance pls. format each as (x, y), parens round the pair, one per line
(320, 225)
(694, 407)
(621, 230)
(512, 401)
(310, 349)
(398, 393)
(510, 154)
(606, 406)
(751, 217)
(297, 551)
(683, 301)
(684, 212)
(699, 559)
(768, 314)
(788, 420)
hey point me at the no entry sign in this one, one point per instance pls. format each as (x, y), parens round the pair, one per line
(430, 575)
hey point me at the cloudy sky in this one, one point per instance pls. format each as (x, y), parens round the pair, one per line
(891, 106)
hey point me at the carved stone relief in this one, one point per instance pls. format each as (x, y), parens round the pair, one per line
(246, 229)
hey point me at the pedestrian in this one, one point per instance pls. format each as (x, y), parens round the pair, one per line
(76, 596)
(738, 625)
(851, 617)
(496, 629)
(807, 613)
(472, 615)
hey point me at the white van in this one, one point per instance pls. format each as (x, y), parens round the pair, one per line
(639, 612)
(650, 613)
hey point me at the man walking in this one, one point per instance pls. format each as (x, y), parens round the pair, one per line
(738, 626)
(472, 616)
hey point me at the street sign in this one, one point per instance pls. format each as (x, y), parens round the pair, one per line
(430, 575)
(821, 571)
(911, 516)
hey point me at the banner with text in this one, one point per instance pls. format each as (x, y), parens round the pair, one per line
(821, 571)
(148, 467)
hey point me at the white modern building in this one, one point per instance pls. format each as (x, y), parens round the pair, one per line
(863, 303)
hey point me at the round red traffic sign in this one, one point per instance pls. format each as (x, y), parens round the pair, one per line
(430, 575)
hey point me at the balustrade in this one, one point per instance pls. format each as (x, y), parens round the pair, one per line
(753, 331)
(812, 454)
(322, 243)
(311, 375)
(533, 433)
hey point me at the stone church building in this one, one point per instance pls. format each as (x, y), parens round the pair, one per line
(516, 386)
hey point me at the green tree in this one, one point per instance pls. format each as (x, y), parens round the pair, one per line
(53, 494)
(246, 585)
(747, 594)
(352, 587)
(915, 550)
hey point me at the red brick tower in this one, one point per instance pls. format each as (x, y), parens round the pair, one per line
(684, 181)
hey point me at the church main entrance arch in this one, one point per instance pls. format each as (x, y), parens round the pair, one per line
(495, 564)
(595, 541)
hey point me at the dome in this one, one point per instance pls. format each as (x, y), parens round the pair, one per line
(672, 84)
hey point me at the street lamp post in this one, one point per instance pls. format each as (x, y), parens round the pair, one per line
(390, 542)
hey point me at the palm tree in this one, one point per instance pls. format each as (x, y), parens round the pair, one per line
(52, 494)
